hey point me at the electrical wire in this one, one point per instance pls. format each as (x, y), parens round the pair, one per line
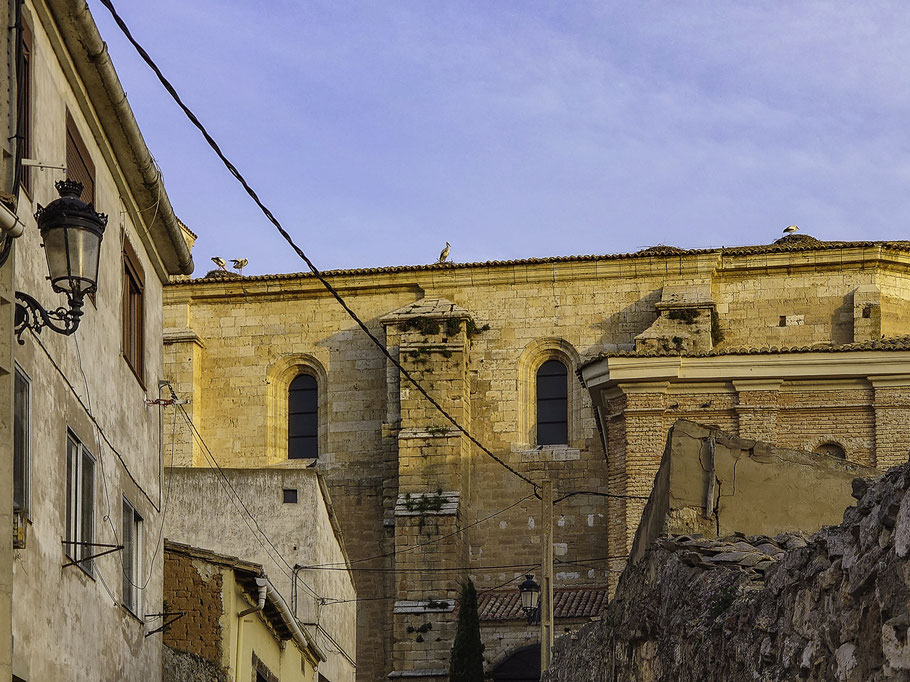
(621, 496)
(236, 496)
(107, 516)
(429, 542)
(462, 569)
(94, 421)
(396, 598)
(287, 237)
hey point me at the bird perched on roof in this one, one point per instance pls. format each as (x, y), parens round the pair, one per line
(444, 253)
(239, 264)
(790, 229)
(219, 262)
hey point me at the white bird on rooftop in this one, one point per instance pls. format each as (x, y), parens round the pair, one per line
(444, 253)
(790, 229)
(239, 264)
(219, 262)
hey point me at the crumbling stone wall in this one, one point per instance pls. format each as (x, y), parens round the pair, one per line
(182, 666)
(833, 607)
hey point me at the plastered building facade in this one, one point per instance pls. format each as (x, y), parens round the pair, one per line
(422, 507)
(90, 443)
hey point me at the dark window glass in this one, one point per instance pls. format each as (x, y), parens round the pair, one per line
(133, 312)
(80, 503)
(131, 540)
(25, 106)
(303, 417)
(87, 511)
(20, 443)
(552, 404)
(290, 496)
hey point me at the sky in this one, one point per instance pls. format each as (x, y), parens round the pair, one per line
(377, 131)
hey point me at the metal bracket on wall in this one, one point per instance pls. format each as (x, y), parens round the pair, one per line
(173, 615)
(73, 562)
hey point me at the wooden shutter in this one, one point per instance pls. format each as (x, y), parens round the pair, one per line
(79, 164)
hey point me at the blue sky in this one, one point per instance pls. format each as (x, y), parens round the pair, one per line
(377, 131)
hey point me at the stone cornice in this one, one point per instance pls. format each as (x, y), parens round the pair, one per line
(757, 371)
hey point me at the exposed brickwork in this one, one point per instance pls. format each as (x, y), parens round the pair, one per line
(197, 593)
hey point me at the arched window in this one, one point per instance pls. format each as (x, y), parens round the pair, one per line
(303, 417)
(552, 404)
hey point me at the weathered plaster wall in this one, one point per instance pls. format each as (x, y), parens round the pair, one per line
(205, 514)
(713, 484)
(832, 608)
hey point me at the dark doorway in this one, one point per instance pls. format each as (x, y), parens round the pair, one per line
(522, 666)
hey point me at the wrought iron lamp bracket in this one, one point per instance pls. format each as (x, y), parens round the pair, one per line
(30, 314)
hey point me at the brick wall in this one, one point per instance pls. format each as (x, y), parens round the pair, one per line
(195, 588)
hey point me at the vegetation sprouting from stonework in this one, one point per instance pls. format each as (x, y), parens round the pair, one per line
(421, 630)
(466, 664)
(431, 502)
(717, 334)
(473, 330)
(687, 315)
(422, 354)
(425, 325)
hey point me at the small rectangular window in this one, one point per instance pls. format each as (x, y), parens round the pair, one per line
(290, 496)
(21, 444)
(79, 164)
(133, 312)
(132, 556)
(80, 503)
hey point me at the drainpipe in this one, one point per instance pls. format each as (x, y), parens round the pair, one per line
(263, 585)
(300, 637)
(96, 50)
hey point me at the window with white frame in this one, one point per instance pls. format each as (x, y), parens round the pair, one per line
(132, 558)
(21, 427)
(80, 503)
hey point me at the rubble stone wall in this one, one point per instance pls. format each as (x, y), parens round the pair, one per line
(834, 606)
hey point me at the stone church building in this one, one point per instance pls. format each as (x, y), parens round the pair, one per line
(572, 367)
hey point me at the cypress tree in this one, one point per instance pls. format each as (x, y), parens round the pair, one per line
(467, 651)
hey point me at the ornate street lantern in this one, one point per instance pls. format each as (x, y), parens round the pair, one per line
(72, 232)
(530, 597)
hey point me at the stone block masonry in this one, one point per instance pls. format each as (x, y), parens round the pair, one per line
(233, 346)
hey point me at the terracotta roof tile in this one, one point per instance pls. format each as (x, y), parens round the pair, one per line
(570, 602)
(660, 251)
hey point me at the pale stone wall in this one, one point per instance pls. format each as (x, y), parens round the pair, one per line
(233, 344)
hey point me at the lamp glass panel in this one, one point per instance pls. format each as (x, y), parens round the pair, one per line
(529, 599)
(72, 257)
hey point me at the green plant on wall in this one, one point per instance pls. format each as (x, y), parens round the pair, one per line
(687, 315)
(717, 334)
(425, 325)
(473, 330)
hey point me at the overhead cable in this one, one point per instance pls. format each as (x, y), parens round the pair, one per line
(287, 237)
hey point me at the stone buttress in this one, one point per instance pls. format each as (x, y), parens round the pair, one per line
(431, 339)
